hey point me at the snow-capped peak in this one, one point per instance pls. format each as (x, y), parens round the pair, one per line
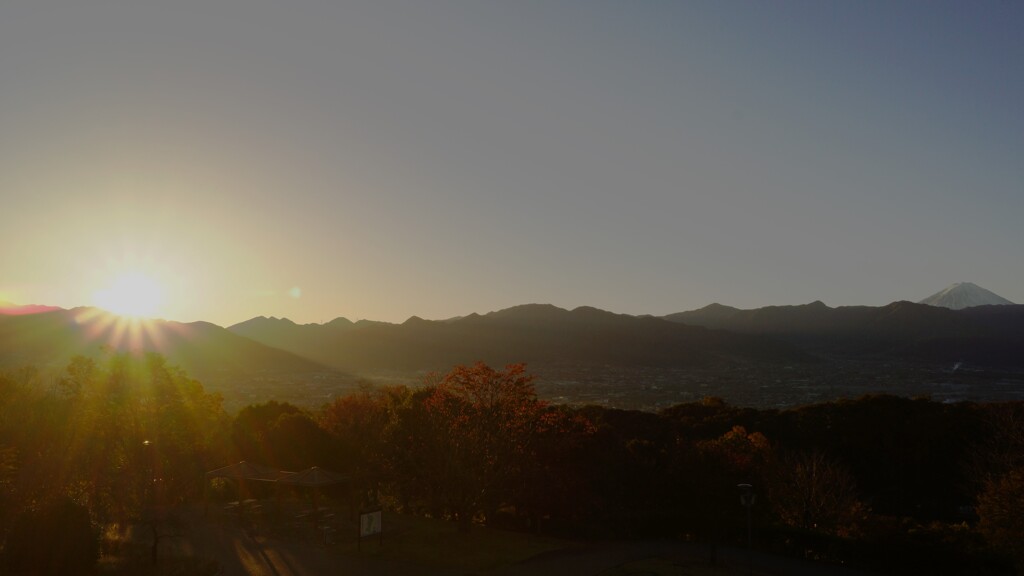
(964, 295)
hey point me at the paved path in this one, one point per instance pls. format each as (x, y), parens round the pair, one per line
(242, 554)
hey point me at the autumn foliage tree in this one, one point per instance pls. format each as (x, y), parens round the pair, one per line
(366, 429)
(1001, 513)
(554, 479)
(484, 423)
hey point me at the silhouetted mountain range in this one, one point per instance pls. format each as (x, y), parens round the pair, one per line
(982, 334)
(11, 309)
(538, 334)
(896, 321)
(532, 333)
(202, 349)
(704, 338)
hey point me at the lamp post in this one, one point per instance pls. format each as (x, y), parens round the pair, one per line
(152, 497)
(147, 447)
(747, 499)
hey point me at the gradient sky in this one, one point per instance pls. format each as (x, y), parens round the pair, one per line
(383, 159)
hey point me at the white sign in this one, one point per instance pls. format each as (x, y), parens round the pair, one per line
(369, 523)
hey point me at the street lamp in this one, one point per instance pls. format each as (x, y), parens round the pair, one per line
(147, 448)
(747, 499)
(150, 451)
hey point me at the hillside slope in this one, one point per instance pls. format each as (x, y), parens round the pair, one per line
(202, 349)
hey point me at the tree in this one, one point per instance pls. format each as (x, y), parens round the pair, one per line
(483, 423)
(364, 426)
(1003, 447)
(1001, 513)
(253, 427)
(127, 438)
(810, 491)
(58, 538)
(741, 451)
(295, 442)
(552, 481)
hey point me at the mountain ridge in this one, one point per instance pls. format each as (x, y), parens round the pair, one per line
(201, 348)
(991, 334)
(532, 333)
(715, 335)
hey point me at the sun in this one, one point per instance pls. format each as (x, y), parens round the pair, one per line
(131, 294)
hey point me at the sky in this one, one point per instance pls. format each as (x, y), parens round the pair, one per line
(378, 159)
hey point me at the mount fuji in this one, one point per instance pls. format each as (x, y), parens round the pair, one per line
(964, 295)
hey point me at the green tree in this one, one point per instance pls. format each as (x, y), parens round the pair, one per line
(297, 442)
(253, 426)
(128, 438)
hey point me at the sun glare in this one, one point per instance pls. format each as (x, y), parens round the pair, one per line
(131, 294)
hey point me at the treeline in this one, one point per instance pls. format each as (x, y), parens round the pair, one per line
(890, 483)
(105, 444)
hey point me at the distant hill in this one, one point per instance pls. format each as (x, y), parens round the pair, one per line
(964, 295)
(532, 333)
(894, 321)
(983, 334)
(202, 349)
(11, 309)
(287, 335)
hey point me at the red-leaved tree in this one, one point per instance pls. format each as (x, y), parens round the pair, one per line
(484, 423)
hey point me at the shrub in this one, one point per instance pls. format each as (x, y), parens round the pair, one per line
(56, 538)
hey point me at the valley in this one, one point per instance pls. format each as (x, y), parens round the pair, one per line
(654, 388)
